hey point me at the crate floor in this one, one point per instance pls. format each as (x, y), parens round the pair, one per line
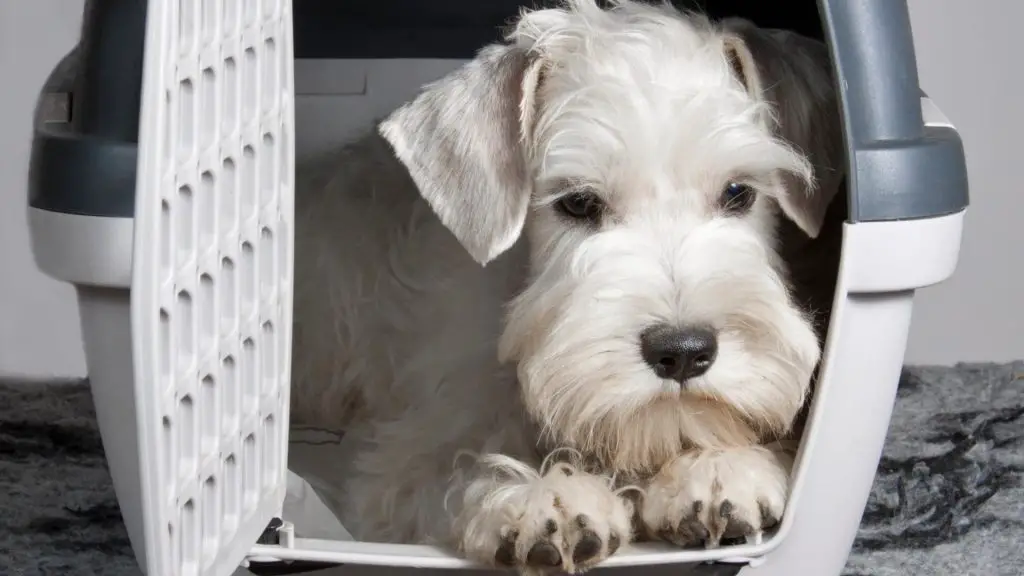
(948, 498)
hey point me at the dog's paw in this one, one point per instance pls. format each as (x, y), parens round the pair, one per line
(705, 498)
(565, 520)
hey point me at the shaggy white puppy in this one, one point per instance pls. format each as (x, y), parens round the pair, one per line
(570, 243)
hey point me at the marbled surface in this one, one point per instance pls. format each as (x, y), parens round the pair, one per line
(948, 498)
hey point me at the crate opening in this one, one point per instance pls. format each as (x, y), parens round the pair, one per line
(344, 82)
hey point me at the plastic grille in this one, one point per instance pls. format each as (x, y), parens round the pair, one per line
(211, 288)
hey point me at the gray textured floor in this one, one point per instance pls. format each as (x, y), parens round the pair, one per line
(948, 500)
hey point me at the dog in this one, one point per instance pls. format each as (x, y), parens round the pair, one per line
(547, 299)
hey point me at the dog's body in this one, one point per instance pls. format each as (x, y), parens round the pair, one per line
(623, 178)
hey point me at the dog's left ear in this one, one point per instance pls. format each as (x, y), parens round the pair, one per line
(462, 141)
(793, 74)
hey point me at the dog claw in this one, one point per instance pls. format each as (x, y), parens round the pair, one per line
(735, 527)
(613, 543)
(506, 554)
(768, 519)
(543, 554)
(689, 532)
(588, 547)
(725, 510)
(692, 531)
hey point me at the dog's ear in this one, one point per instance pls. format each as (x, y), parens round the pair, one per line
(793, 74)
(462, 140)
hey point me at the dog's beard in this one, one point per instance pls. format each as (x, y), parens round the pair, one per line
(574, 332)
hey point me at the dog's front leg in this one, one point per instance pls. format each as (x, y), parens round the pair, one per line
(705, 496)
(559, 517)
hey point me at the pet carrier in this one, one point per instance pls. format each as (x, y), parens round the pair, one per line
(162, 188)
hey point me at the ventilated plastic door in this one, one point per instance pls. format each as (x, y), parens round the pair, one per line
(211, 286)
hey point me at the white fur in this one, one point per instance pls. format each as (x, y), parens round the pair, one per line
(443, 305)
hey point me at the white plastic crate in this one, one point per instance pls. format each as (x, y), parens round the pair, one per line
(186, 313)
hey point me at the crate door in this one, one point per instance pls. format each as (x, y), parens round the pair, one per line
(211, 285)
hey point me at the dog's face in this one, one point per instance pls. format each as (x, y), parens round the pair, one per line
(647, 157)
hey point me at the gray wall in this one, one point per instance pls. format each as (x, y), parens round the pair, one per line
(39, 334)
(969, 62)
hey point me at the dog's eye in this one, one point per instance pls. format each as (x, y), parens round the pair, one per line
(581, 205)
(737, 198)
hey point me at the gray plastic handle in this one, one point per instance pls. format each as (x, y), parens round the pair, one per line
(899, 168)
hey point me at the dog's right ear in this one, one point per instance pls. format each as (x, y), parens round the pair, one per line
(462, 140)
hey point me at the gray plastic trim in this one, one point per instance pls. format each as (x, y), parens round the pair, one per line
(86, 122)
(81, 174)
(898, 168)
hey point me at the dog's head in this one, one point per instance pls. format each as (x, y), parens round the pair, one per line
(647, 156)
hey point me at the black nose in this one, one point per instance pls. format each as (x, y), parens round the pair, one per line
(678, 353)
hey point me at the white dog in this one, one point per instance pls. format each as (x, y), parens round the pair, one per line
(571, 243)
